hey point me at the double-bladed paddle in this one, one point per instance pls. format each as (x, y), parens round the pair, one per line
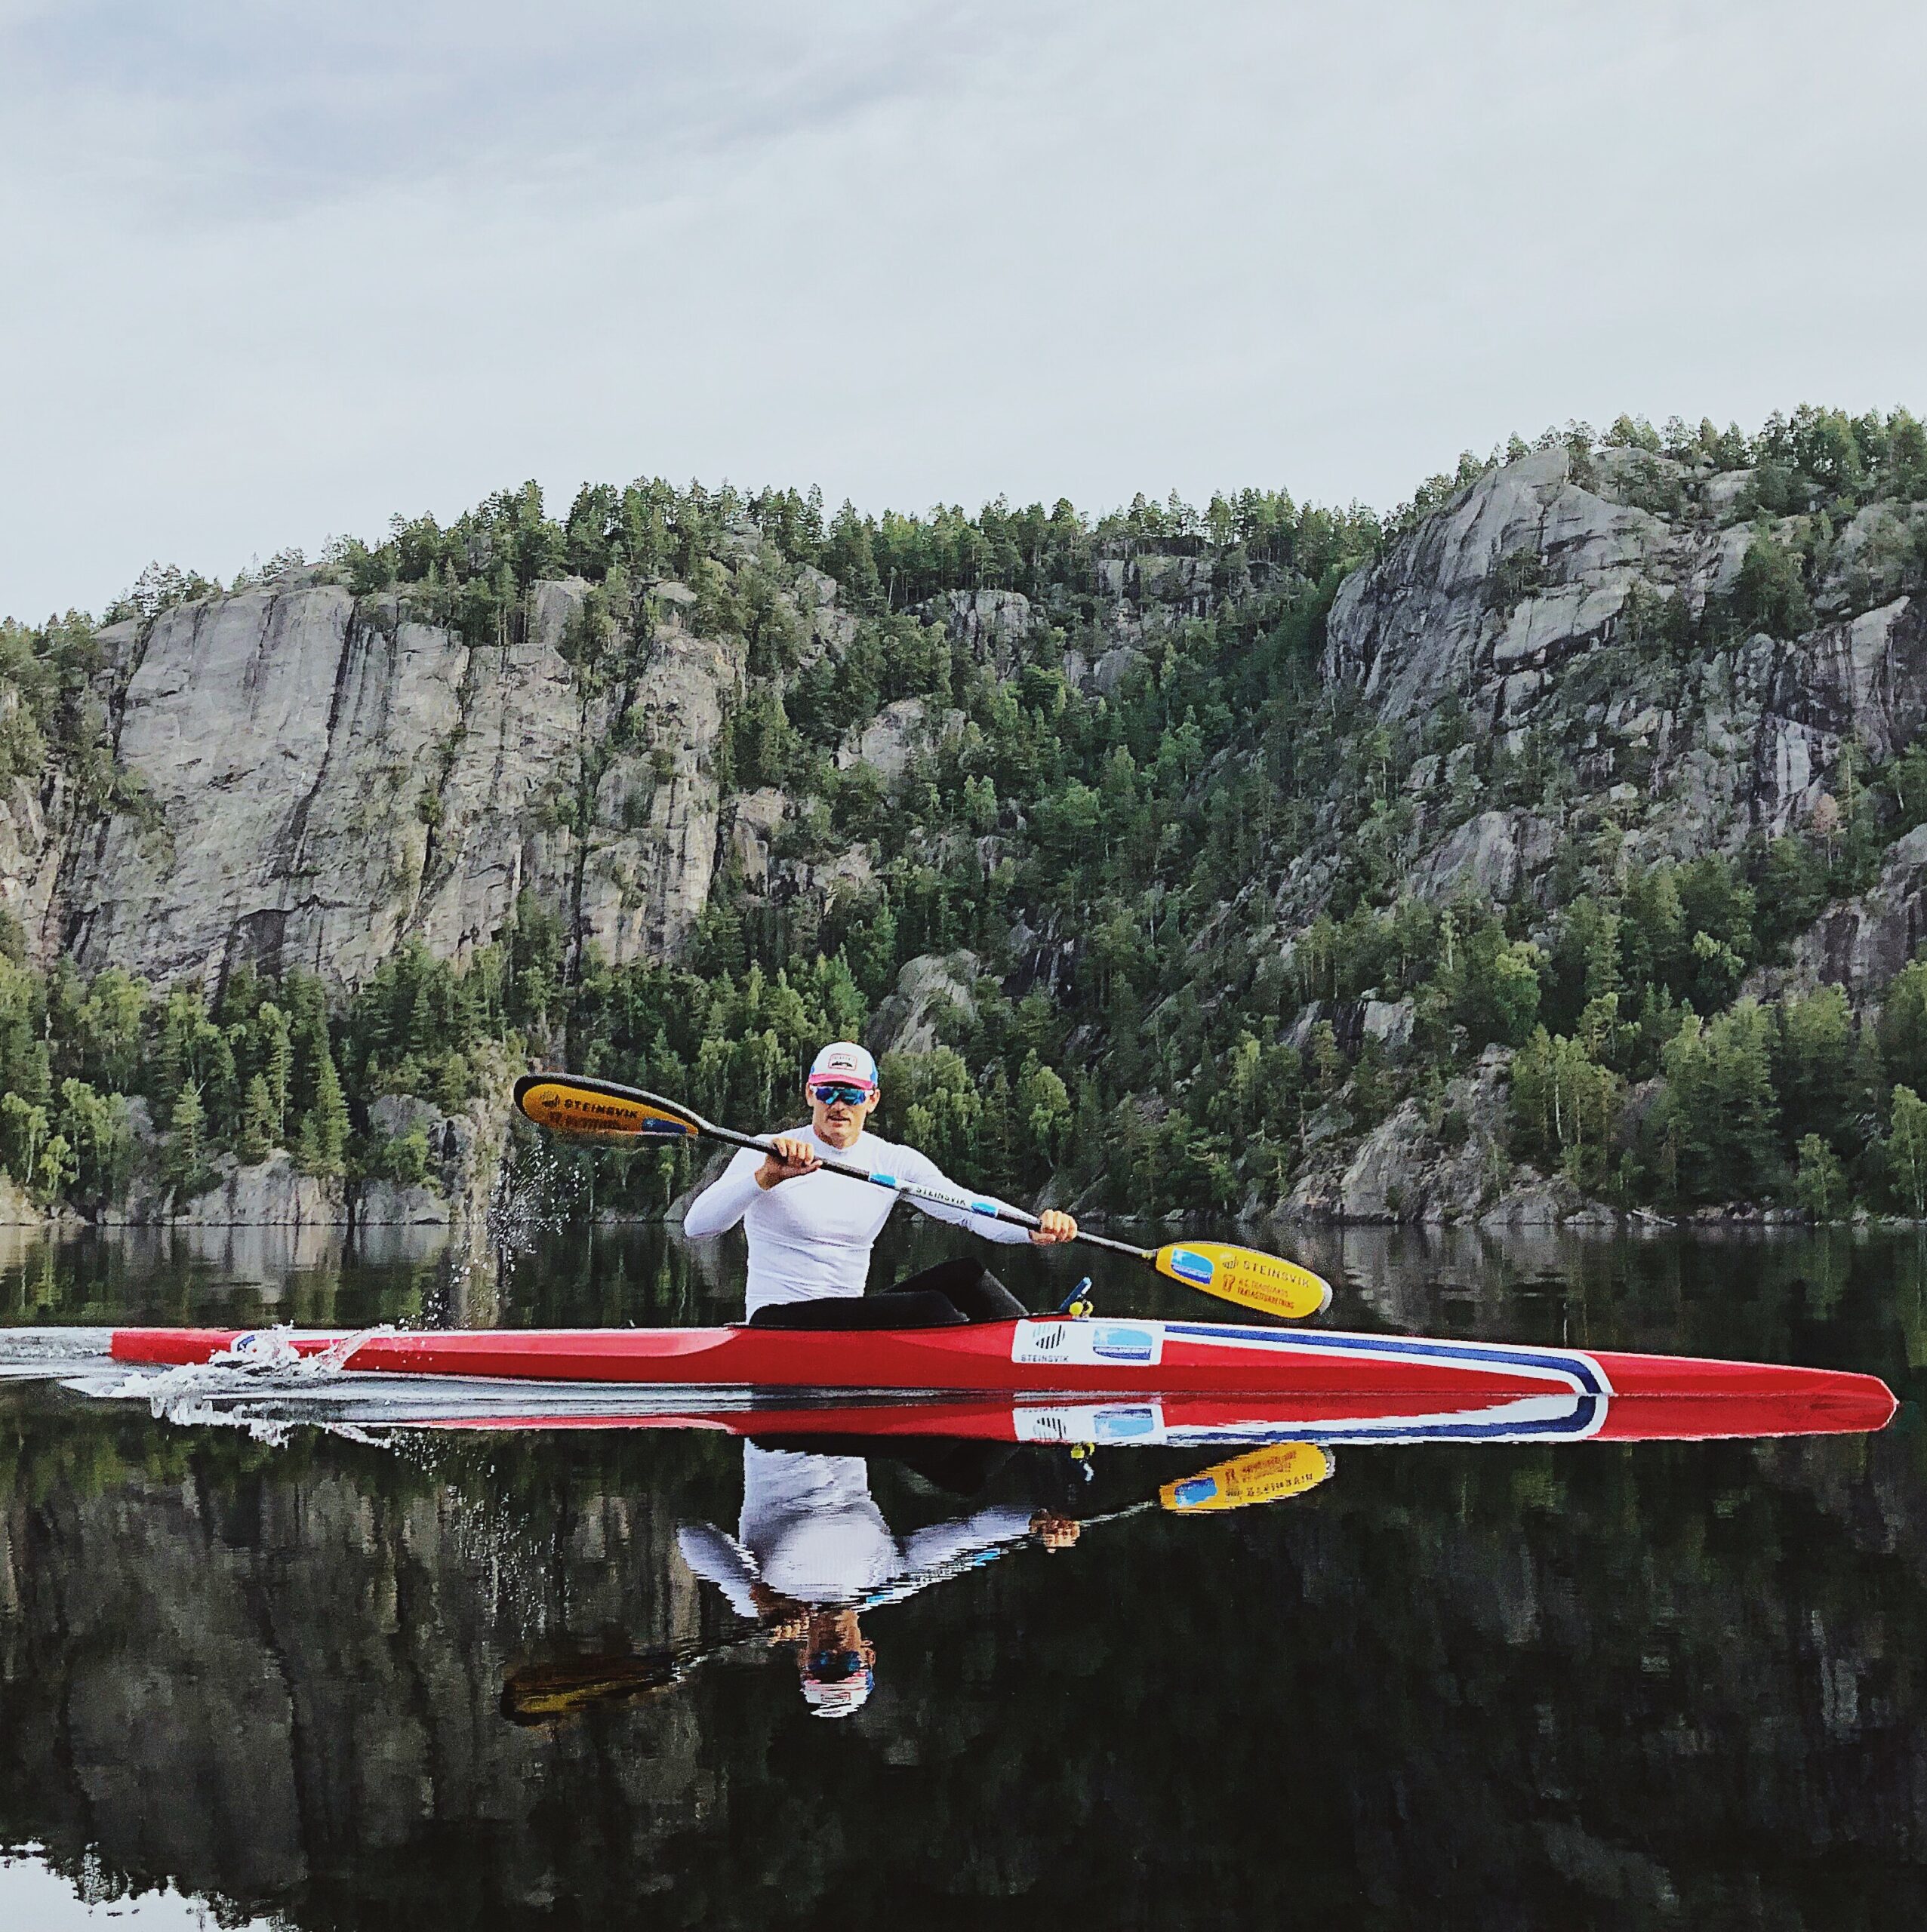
(602, 1110)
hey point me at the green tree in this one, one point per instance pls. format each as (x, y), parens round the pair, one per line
(1820, 1184)
(1498, 998)
(1565, 1106)
(1907, 1150)
(259, 1123)
(1719, 1108)
(1818, 1076)
(184, 1161)
(324, 1130)
(1043, 1112)
(1768, 595)
(96, 1128)
(1903, 1027)
(110, 1029)
(871, 949)
(58, 1168)
(24, 1131)
(274, 1054)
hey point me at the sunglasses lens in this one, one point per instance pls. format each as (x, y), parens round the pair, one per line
(851, 1096)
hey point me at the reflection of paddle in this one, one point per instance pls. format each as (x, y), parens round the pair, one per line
(543, 1693)
(535, 1693)
(1264, 1475)
(602, 1110)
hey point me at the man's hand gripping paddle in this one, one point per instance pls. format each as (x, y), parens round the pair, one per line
(601, 1110)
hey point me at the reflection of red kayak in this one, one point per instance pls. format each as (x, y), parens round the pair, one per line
(1186, 1421)
(1203, 1377)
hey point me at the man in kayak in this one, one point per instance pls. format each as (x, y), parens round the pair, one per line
(811, 1233)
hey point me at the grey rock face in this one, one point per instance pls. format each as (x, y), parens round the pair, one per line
(272, 1194)
(1408, 1170)
(990, 624)
(1525, 607)
(1430, 620)
(323, 780)
(394, 1114)
(1389, 1022)
(1862, 943)
(1494, 855)
(753, 831)
(906, 1022)
(387, 1204)
(29, 852)
(898, 730)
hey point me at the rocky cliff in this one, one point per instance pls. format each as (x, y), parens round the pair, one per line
(1145, 785)
(320, 778)
(1534, 608)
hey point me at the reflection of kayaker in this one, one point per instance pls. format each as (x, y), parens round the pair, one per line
(812, 1550)
(837, 1660)
(811, 1233)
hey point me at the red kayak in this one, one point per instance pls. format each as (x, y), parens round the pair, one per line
(1184, 1380)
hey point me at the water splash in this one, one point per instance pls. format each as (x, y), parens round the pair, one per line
(264, 1361)
(537, 1196)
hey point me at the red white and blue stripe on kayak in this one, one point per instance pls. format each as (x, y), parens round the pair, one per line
(1573, 1406)
(1582, 1372)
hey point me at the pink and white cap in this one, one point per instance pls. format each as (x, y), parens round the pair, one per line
(844, 1059)
(843, 1697)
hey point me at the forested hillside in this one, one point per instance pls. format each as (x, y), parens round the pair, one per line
(1561, 837)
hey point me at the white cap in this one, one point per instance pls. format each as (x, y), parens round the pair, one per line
(843, 1699)
(844, 1059)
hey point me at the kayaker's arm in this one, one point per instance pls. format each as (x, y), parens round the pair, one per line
(920, 1168)
(940, 1547)
(720, 1559)
(717, 1208)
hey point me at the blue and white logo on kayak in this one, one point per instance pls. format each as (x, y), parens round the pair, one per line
(1190, 1267)
(1073, 1340)
(1116, 1342)
(1097, 1423)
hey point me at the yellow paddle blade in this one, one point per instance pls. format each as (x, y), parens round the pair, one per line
(1243, 1274)
(1264, 1475)
(538, 1693)
(589, 1110)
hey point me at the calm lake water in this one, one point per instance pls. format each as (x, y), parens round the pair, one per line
(317, 1681)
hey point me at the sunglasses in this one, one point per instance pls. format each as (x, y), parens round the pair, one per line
(836, 1666)
(830, 1091)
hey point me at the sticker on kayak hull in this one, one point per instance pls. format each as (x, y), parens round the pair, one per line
(1099, 1424)
(1079, 1341)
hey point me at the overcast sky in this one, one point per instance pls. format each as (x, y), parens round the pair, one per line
(273, 272)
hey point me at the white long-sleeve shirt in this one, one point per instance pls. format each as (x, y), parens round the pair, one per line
(812, 1236)
(812, 1531)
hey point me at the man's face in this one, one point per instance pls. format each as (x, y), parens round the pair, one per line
(837, 1118)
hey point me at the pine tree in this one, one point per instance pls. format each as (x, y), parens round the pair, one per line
(186, 1129)
(258, 1125)
(1907, 1151)
(330, 1117)
(277, 1052)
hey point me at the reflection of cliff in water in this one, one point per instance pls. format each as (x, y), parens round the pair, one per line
(1588, 1685)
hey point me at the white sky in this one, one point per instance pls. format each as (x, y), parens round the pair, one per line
(273, 272)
